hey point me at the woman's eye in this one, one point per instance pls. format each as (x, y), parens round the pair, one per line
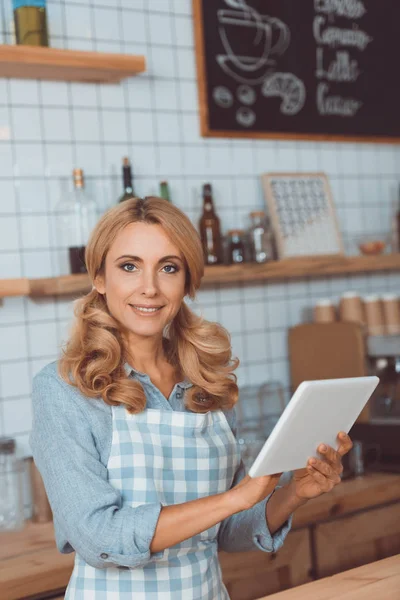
(130, 268)
(128, 265)
(169, 267)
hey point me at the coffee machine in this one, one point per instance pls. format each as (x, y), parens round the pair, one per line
(341, 349)
(383, 426)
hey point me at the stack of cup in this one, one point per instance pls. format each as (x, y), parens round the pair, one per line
(391, 313)
(379, 315)
(324, 311)
(351, 308)
(374, 315)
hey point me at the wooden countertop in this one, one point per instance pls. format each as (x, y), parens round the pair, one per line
(30, 563)
(378, 580)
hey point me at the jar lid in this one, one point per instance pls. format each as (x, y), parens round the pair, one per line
(324, 302)
(389, 297)
(371, 298)
(7, 445)
(257, 213)
(350, 295)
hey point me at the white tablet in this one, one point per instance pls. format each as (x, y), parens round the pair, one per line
(316, 413)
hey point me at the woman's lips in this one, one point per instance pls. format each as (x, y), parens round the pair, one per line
(144, 312)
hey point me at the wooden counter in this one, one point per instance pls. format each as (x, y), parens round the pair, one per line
(376, 581)
(30, 563)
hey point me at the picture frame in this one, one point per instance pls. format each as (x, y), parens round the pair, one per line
(303, 214)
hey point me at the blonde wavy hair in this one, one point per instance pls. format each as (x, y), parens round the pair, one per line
(93, 357)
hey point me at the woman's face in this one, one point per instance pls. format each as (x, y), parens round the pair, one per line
(143, 269)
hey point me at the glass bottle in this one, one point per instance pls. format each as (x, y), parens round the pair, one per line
(260, 237)
(127, 179)
(11, 491)
(30, 22)
(164, 191)
(210, 229)
(236, 246)
(76, 215)
(396, 232)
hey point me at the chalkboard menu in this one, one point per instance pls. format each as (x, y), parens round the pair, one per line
(313, 69)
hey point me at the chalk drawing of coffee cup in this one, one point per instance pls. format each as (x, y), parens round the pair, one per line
(250, 41)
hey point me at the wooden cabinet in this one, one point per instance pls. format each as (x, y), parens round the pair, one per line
(358, 522)
(250, 575)
(357, 540)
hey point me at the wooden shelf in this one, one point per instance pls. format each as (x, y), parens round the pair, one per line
(30, 62)
(284, 269)
(294, 268)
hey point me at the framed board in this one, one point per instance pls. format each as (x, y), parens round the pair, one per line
(308, 69)
(302, 214)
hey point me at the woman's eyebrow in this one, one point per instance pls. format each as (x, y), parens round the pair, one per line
(138, 259)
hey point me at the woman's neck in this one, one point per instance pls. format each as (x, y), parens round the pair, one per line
(149, 357)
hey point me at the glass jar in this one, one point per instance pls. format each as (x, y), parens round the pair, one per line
(11, 495)
(260, 237)
(236, 245)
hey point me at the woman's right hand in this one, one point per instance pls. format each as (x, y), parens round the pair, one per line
(251, 490)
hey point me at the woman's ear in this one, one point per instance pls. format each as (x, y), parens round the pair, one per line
(99, 284)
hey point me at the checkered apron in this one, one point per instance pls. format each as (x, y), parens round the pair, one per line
(168, 457)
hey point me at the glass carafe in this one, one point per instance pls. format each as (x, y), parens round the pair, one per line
(260, 237)
(11, 495)
(76, 216)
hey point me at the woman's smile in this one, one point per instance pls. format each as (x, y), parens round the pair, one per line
(145, 311)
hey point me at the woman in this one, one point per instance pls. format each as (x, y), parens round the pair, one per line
(134, 427)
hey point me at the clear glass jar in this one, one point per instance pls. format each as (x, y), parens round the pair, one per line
(11, 493)
(260, 237)
(236, 246)
(76, 215)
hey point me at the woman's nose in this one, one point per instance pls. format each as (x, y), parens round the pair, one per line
(149, 284)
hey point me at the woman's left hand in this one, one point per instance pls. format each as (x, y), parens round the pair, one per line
(321, 475)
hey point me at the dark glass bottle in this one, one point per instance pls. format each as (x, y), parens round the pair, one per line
(210, 229)
(30, 22)
(127, 179)
(164, 191)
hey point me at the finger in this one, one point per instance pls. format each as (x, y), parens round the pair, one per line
(326, 470)
(332, 457)
(329, 454)
(325, 484)
(345, 443)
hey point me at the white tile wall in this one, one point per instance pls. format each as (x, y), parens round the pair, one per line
(47, 129)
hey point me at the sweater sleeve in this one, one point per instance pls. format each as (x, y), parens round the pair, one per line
(103, 530)
(248, 529)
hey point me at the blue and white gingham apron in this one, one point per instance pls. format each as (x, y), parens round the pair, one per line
(168, 457)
